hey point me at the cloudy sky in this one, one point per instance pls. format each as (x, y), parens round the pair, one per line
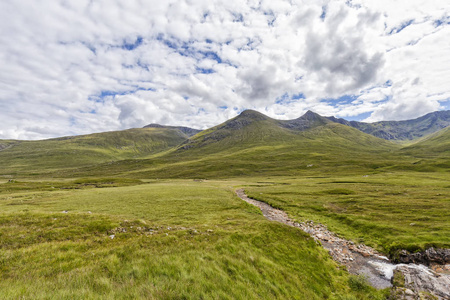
(77, 66)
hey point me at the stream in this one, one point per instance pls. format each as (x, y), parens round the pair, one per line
(363, 260)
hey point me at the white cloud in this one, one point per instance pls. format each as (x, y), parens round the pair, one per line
(73, 67)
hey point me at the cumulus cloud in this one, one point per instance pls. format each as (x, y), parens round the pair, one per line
(75, 67)
(336, 55)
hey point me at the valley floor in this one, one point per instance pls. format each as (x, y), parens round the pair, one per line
(194, 239)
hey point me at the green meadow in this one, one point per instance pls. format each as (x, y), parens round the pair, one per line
(389, 211)
(151, 213)
(178, 239)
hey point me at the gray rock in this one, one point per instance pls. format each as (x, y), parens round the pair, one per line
(419, 278)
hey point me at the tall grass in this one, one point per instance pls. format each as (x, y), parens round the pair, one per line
(167, 240)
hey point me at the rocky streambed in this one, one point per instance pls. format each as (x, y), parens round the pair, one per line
(411, 281)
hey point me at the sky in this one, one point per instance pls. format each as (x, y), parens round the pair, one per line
(70, 67)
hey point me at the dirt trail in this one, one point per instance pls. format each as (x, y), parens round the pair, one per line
(360, 259)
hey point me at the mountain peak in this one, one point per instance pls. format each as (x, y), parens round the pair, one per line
(309, 120)
(310, 115)
(252, 114)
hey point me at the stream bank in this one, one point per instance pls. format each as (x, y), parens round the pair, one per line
(414, 280)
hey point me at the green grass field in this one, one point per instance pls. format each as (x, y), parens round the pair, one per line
(172, 240)
(389, 211)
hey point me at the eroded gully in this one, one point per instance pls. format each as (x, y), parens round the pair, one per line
(361, 259)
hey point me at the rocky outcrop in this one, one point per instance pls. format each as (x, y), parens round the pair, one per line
(413, 282)
(427, 257)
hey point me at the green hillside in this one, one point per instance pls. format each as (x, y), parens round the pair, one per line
(249, 144)
(253, 144)
(431, 153)
(77, 151)
(433, 145)
(252, 129)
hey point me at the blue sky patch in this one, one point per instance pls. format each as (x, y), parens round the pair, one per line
(210, 55)
(359, 117)
(446, 104)
(286, 99)
(346, 99)
(401, 27)
(188, 50)
(107, 93)
(324, 12)
(283, 99)
(441, 22)
(298, 96)
(130, 47)
(204, 71)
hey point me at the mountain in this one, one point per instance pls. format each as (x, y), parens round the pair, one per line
(249, 144)
(83, 150)
(402, 130)
(252, 128)
(186, 130)
(244, 129)
(253, 143)
(308, 120)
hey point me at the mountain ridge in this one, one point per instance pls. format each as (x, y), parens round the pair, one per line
(248, 143)
(405, 130)
(186, 130)
(402, 130)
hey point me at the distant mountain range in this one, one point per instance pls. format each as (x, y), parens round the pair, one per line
(388, 130)
(251, 143)
(402, 130)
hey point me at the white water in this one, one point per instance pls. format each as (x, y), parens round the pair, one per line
(387, 269)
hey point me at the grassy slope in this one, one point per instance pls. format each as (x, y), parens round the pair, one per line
(71, 152)
(430, 154)
(182, 240)
(261, 146)
(434, 145)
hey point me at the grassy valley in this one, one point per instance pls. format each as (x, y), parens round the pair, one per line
(151, 213)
